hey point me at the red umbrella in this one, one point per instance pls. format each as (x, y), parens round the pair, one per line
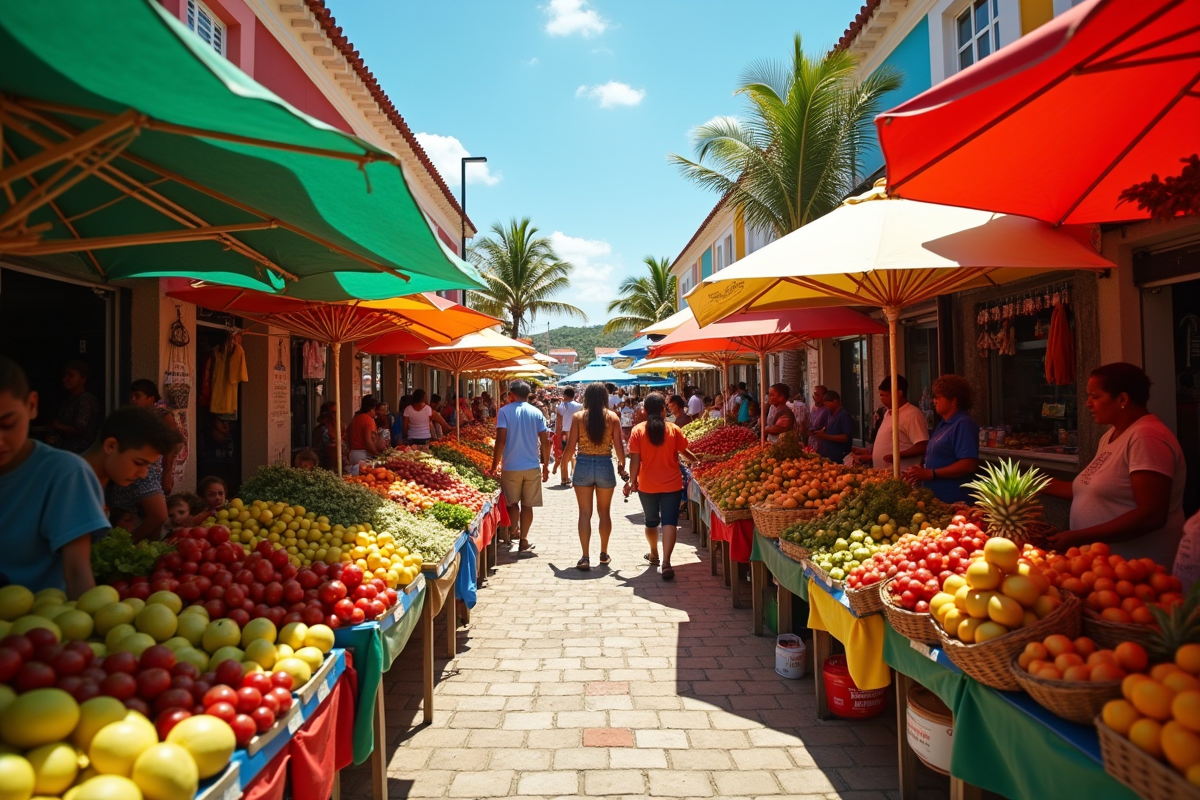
(1058, 124)
(762, 332)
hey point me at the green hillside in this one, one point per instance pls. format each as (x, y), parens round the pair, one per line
(582, 340)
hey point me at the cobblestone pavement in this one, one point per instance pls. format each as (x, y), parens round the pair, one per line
(615, 683)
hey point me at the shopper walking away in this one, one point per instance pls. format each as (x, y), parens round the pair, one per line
(364, 438)
(563, 421)
(522, 445)
(654, 450)
(952, 455)
(833, 440)
(596, 432)
(627, 410)
(418, 420)
(80, 414)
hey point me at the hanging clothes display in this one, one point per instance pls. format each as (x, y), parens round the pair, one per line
(229, 369)
(1060, 349)
(314, 361)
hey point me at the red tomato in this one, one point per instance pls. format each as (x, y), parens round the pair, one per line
(34, 675)
(248, 699)
(20, 644)
(157, 656)
(168, 720)
(283, 698)
(153, 682)
(263, 718)
(139, 705)
(120, 685)
(281, 680)
(229, 673)
(258, 680)
(68, 662)
(10, 663)
(173, 698)
(121, 662)
(244, 728)
(223, 711)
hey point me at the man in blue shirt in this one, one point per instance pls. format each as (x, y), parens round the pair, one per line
(522, 445)
(51, 504)
(833, 441)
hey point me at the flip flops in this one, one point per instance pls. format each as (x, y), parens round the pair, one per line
(584, 563)
(605, 558)
(668, 573)
(651, 559)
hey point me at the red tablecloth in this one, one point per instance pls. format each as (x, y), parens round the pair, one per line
(739, 534)
(489, 525)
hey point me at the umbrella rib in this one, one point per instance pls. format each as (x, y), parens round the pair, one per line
(81, 142)
(1115, 64)
(893, 187)
(58, 212)
(68, 129)
(1182, 93)
(187, 130)
(127, 240)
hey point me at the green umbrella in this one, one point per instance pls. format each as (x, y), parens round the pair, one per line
(132, 149)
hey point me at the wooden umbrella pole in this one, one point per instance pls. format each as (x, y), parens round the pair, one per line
(762, 395)
(337, 402)
(457, 412)
(893, 317)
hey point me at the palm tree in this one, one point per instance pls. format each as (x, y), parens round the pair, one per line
(797, 153)
(644, 300)
(522, 273)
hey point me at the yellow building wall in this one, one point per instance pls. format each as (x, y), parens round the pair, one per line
(1035, 13)
(739, 235)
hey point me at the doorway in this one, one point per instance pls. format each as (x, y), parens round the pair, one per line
(218, 436)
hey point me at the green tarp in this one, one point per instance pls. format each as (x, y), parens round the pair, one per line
(67, 67)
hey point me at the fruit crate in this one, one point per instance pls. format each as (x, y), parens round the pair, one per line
(1077, 701)
(1110, 634)
(1147, 776)
(990, 663)
(918, 627)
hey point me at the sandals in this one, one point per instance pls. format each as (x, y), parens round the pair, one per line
(605, 558)
(584, 563)
(668, 573)
(651, 559)
(525, 545)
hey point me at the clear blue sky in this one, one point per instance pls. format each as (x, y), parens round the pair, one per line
(576, 106)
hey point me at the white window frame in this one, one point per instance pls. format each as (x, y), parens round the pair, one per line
(943, 44)
(194, 12)
(730, 252)
(977, 39)
(719, 259)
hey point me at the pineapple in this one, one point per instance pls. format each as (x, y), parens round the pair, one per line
(1177, 627)
(1008, 498)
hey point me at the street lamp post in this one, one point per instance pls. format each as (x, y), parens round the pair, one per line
(462, 189)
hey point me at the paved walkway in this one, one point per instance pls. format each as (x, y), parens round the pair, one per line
(615, 683)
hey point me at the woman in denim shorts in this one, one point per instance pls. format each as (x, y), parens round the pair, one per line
(595, 433)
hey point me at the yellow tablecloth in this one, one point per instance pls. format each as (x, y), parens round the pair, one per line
(862, 636)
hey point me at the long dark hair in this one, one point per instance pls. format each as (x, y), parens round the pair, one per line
(595, 402)
(656, 425)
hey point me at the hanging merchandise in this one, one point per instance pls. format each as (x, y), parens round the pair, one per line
(314, 361)
(229, 369)
(996, 319)
(177, 380)
(1060, 349)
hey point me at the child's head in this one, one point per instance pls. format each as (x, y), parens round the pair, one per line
(18, 406)
(130, 440)
(123, 518)
(212, 491)
(306, 459)
(182, 507)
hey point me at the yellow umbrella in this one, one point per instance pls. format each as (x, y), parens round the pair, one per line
(668, 325)
(888, 252)
(665, 365)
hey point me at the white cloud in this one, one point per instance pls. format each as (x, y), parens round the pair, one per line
(612, 94)
(568, 17)
(447, 152)
(593, 281)
(530, 62)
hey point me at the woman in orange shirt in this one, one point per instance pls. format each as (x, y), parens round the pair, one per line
(654, 450)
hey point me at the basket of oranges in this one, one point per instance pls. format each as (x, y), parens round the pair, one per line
(1073, 679)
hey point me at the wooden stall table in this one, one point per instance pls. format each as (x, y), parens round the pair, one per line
(735, 537)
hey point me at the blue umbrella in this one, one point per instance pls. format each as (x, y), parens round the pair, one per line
(638, 348)
(601, 370)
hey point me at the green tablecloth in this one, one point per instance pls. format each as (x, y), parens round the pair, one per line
(375, 648)
(998, 746)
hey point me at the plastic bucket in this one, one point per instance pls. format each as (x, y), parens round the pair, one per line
(789, 656)
(930, 729)
(843, 697)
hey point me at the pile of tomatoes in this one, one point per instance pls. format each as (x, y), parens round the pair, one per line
(921, 563)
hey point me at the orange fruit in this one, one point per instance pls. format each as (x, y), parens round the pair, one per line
(1057, 644)
(1122, 571)
(1079, 672)
(1024, 660)
(1142, 616)
(1180, 681)
(1067, 660)
(1107, 672)
(1131, 604)
(1160, 671)
(1153, 699)
(1116, 615)
(1185, 708)
(1124, 588)
(1103, 570)
(1131, 680)
(1193, 775)
(1181, 746)
(1160, 582)
(1100, 549)
(1131, 656)
(1145, 593)
(1084, 646)
(1038, 650)
(1036, 665)
(1107, 599)
(1048, 673)
(1119, 715)
(1147, 734)
(1073, 585)
(1099, 584)
(1101, 657)
(1187, 658)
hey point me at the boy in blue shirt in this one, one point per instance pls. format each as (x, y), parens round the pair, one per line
(51, 504)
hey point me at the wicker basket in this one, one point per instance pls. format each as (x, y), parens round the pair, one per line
(822, 575)
(990, 663)
(1147, 776)
(1107, 635)
(771, 522)
(1077, 701)
(918, 627)
(733, 515)
(865, 602)
(793, 551)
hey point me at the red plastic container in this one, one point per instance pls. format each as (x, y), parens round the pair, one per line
(844, 698)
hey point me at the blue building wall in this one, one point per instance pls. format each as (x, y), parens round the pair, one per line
(706, 264)
(911, 60)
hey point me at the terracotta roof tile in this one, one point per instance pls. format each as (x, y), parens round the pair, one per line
(856, 27)
(342, 43)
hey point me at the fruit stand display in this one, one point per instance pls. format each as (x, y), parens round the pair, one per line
(972, 605)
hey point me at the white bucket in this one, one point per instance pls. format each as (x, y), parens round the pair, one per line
(930, 729)
(789, 656)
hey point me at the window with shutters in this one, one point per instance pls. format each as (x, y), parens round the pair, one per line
(730, 257)
(205, 24)
(977, 32)
(720, 258)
